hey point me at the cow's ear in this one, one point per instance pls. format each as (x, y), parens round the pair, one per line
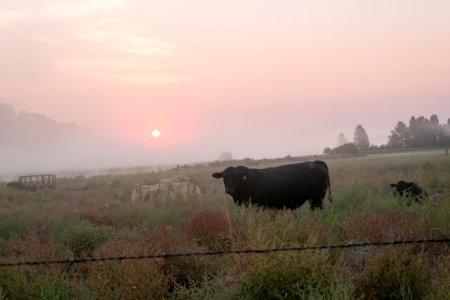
(393, 185)
(217, 175)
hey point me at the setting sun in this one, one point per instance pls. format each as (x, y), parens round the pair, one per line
(156, 133)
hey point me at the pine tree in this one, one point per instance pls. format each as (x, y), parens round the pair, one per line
(403, 133)
(361, 139)
(342, 139)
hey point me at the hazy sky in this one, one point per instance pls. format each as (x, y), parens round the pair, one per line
(256, 78)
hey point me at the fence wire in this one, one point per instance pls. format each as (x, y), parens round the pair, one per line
(72, 261)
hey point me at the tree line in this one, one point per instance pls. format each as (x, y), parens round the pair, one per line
(419, 133)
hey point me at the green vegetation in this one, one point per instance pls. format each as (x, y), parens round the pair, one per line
(94, 216)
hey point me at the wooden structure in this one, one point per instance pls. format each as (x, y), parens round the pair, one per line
(166, 189)
(40, 180)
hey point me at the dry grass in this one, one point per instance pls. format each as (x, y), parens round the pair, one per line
(94, 217)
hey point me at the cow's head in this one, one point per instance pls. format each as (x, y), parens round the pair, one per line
(401, 186)
(235, 180)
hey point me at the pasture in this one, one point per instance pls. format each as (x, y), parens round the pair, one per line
(94, 217)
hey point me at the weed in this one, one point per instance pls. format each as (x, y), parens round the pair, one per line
(394, 273)
(295, 276)
(209, 229)
(81, 237)
(13, 227)
(53, 287)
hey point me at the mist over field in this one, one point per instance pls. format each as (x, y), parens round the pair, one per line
(84, 83)
(31, 142)
(36, 143)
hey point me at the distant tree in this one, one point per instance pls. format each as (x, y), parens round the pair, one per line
(400, 136)
(327, 151)
(346, 149)
(225, 156)
(394, 141)
(434, 120)
(250, 162)
(412, 127)
(421, 132)
(424, 132)
(361, 139)
(341, 139)
(436, 129)
(403, 132)
(445, 140)
(416, 126)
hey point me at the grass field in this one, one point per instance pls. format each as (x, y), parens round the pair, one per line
(84, 217)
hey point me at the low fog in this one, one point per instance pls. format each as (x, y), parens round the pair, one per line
(36, 143)
(31, 143)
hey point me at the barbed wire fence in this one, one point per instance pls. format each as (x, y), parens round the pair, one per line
(221, 253)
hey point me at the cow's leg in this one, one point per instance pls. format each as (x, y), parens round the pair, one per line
(418, 199)
(316, 202)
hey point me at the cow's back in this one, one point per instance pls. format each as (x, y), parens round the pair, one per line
(309, 173)
(289, 185)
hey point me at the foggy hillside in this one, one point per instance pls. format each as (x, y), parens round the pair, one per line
(35, 143)
(31, 142)
(30, 130)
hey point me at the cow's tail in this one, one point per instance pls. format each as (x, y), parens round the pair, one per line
(330, 196)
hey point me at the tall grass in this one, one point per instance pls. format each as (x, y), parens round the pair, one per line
(94, 217)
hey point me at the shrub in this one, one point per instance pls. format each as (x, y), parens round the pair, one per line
(209, 229)
(13, 284)
(296, 276)
(13, 227)
(128, 280)
(394, 273)
(440, 279)
(81, 237)
(429, 166)
(34, 283)
(352, 197)
(53, 287)
(168, 217)
(215, 288)
(378, 226)
(2, 247)
(127, 215)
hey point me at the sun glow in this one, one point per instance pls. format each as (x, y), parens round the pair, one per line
(156, 133)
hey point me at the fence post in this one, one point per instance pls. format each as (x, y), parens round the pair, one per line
(168, 191)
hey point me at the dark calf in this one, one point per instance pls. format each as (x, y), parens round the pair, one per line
(409, 191)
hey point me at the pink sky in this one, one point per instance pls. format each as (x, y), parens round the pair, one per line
(256, 78)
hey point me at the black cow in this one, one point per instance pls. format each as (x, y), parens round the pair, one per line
(20, 186)
(409, 191)
(287, 186)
